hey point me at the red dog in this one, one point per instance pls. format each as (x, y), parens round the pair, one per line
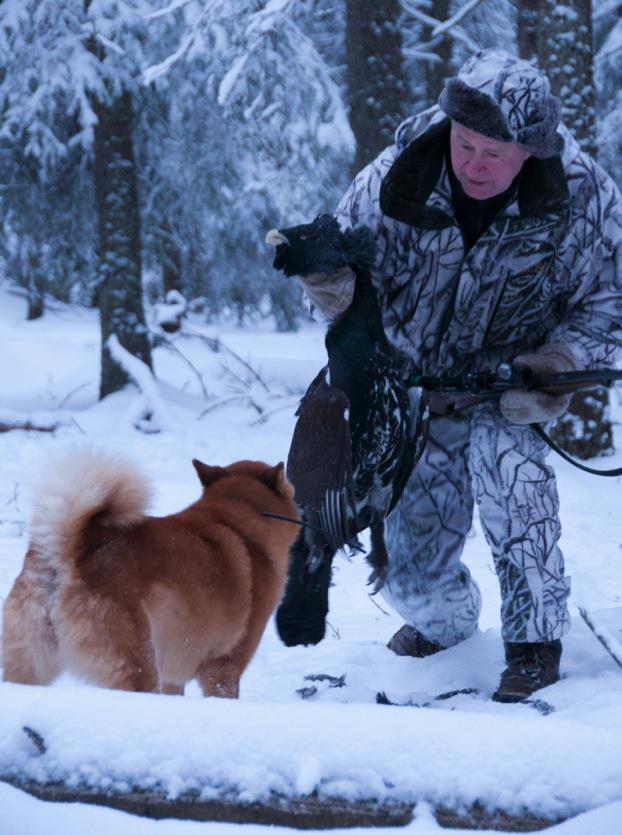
(142, 603)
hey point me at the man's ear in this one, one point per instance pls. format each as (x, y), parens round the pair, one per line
(276, 479)
(207, 475)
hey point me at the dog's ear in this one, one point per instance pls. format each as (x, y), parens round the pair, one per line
(207, 475)
(276, 479)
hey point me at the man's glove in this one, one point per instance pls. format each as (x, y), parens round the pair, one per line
(330, 293)
(522, 406)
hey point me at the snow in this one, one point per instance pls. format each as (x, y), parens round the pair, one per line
(338, 742)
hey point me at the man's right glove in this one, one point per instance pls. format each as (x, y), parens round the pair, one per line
(522, 406)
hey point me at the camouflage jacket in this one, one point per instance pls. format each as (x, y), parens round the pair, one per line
(548, 269)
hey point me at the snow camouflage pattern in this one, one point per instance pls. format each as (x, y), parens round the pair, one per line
(478, 455)
(548, 269)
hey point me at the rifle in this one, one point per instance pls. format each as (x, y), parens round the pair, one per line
(448, 394)
(492, 383)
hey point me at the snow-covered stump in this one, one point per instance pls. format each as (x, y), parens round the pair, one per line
(169, 314)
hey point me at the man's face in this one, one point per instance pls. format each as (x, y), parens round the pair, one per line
(484, 167)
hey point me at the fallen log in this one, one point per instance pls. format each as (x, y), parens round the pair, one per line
(42, 422)
(309, 812)
(306, 812)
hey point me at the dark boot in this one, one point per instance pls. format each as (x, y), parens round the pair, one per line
(530, 667)
(409, 641)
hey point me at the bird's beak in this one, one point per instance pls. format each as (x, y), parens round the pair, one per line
(274, 238)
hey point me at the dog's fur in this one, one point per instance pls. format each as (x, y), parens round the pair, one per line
(143, 603)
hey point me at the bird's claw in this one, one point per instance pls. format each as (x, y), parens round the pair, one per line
(377, 579)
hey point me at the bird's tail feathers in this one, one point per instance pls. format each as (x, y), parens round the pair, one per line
(76, 488)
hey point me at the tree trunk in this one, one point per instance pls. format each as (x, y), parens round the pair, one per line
(171, 264)
(377, 91)
(438, 72)
(565, 52)
(527, 14)
(120, 288)
(35, 282)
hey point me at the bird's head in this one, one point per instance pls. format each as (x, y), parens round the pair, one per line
(321, 247)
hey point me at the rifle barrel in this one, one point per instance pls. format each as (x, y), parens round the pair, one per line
(487, 383)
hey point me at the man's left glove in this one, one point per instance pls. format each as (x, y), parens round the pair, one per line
(522, 406)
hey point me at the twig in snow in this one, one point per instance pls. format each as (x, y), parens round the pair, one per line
(159, 340)
(217, 345)
(604, 636)
(224, 402)
(306, 692)
(36, 739)
(333, 681)
(14, 497)
(264, 417)
(376, 604)
(71, 393)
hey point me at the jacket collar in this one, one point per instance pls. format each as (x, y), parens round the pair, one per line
(415, 189)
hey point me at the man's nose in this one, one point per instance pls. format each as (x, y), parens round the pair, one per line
(476, 163)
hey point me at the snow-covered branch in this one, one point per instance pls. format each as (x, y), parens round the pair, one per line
(437, 25)
(32, 421)
(153, 410)
(443, 28)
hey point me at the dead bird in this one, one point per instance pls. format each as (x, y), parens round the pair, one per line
(359, 433)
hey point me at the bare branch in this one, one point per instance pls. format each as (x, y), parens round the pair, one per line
(71, 393)
(604, 636)
(228, 400)
(217, 345)
(159, 340)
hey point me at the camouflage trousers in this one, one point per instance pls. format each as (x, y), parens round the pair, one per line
(477, 456)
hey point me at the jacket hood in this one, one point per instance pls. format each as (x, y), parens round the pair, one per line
(422, 143)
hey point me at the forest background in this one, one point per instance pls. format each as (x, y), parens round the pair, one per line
(146, 146)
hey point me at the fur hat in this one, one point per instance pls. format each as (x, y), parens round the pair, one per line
(505, 98)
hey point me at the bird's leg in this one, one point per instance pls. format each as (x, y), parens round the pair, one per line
(301, 616)
(377, 557)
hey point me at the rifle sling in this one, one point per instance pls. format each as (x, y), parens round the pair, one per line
(444, 404)
(537, 428)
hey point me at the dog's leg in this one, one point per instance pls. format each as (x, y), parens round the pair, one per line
(220, 677)
(29, 645)
(172, 689)
(105, 642)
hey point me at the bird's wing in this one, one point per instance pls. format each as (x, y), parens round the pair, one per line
(418, 428)
(319, 463)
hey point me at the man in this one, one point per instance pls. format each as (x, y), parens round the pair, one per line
(499, 241)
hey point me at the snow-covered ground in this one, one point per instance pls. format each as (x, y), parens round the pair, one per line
(338, 742)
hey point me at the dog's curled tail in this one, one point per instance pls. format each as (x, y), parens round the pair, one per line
(77, 487)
